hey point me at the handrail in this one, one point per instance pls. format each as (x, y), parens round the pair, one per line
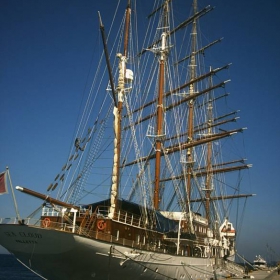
(129, 218)
(121, 216)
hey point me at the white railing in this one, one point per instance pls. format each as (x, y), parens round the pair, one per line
(129, 219)
(14, 220)
(46, 211)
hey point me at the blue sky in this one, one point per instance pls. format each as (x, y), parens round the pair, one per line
(46, 48)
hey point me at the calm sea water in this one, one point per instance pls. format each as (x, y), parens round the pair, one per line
(11, 269)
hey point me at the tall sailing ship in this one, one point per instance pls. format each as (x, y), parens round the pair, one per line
(143, 193)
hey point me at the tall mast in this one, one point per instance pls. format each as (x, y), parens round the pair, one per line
(208, 185)
(118, 114)
(160, 112)
(192, 91)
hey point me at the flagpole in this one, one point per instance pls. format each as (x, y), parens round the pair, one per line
(13, 194)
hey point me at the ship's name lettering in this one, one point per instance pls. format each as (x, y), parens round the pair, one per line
(10, 234)
(24, 234)
(27, 241)
(30, 235)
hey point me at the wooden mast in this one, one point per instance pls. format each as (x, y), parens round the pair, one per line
(122, 67)
(192, 91)
(208, 185)
(160, 112)
(118, 114)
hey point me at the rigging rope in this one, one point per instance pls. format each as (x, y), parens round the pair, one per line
(142, 178)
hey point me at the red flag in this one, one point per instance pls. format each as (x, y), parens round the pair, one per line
(3, 184)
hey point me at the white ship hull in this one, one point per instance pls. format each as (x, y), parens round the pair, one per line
(61, 255)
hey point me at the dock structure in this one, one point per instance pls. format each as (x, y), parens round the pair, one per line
(263, 274)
